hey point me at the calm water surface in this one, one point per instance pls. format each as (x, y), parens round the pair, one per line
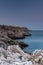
(35, 41)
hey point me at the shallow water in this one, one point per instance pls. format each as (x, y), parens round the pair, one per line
(35, 41)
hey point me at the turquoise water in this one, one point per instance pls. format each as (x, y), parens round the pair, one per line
(35, 41)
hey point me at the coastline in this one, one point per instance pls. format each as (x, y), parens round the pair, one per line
(11, 52)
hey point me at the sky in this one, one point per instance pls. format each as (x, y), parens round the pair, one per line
(26, 13)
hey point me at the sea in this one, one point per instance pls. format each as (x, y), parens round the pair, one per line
(35, 41)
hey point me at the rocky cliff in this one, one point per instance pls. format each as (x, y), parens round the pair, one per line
(9, 35)
(11, 52)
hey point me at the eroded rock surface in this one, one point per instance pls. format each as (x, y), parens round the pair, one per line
(10, 49)
(9, 34)
(14, 32)
(14, 55)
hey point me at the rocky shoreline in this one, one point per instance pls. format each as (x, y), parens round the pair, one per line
(11, 52)
(10, 34)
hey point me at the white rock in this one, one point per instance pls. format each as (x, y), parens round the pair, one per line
(41, 54)
(37, 60)
(14, 53)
